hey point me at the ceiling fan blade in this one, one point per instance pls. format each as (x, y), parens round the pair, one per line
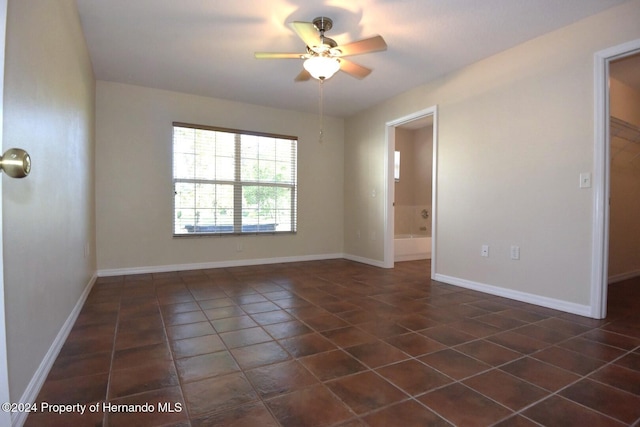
(353, 69)
(307, 32)
(303, 76)
(276, 55)
(372, 44)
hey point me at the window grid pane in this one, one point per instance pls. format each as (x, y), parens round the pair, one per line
(229, 182)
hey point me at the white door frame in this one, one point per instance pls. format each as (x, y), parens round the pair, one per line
(5, 417)
(600, 244)
(390, 184)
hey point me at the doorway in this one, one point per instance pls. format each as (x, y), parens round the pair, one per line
(602, 172)
(624, 184)
(413, 121)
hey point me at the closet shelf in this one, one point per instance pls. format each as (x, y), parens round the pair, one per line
(625, 130)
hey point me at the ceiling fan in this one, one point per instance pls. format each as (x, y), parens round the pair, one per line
(324, 57)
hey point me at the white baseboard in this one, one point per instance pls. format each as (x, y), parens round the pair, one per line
(623, 276)
(214, 264)
(556, 304)
(412, 257)
(363, 260)
(33, 388)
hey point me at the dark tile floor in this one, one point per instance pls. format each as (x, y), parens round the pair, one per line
(337, 343)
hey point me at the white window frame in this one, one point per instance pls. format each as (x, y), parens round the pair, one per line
(238, 223)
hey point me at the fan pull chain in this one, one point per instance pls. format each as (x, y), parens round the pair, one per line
(321, 109)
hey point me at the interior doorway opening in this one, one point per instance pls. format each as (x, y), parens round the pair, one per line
(602, 172)
(417, 120)
(624, 185)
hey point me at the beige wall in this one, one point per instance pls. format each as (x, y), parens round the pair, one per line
(514, 132)
(624, 226)
(412, 193)
(48, 216)
(423, 159)
(135, 191)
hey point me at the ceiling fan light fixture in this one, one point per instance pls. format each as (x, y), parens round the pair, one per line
(321, 67)
(321, 48)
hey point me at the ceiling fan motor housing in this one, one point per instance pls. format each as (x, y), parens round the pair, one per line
(323, 24)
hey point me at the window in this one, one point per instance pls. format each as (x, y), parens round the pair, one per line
(233, 182)
(396, 165)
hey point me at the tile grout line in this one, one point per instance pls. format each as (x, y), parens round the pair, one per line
(581, 378)
(173, 358)
(365, 277)
(105, 418)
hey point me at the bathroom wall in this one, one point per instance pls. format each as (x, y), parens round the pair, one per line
(413, 190)
(624, 227)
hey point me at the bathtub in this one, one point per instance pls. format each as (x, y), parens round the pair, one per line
(411, 247)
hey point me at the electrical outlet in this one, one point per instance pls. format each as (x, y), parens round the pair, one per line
(515, 252)
(239, 247)
(484, 251)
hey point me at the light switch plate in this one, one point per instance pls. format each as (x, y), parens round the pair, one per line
(585, 180)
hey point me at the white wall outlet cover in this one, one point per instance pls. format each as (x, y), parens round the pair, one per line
(515, 252)
(484, 251)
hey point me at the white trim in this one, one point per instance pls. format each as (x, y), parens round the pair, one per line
(389, 197)
(390, 184)
(214, 264)
(623, 276)
(5, 395)
(367, 261)
(434, 194)
(411, 257)
(33, 388)
(600, 225)
(556, 304)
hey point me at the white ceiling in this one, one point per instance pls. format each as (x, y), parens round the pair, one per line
(206, 47)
